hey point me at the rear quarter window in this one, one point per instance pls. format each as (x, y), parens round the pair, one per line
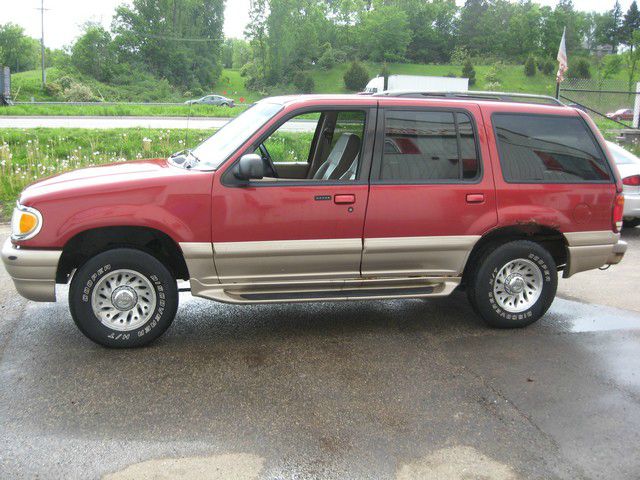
(548, 149)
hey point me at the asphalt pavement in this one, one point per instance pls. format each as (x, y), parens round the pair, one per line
(204, 123)
(408, 389)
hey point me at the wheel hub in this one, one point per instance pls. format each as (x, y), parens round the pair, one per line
(518, 285)
(514, 284)
(124, 298)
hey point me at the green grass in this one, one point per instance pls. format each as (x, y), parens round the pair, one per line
(121, 110)
(30, 155)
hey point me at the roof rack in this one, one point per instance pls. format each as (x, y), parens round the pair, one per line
(476, 95)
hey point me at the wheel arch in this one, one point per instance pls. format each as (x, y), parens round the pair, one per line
(91, 242)
(550, 238)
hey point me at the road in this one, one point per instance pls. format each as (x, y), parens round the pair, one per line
(204, 123)
(373, 390)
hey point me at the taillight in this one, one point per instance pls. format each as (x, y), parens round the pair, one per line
(633, 181)
(618, 209)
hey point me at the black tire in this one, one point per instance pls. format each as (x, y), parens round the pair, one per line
(224, 105)
(480, 288)
(632, 223)
(96, 271)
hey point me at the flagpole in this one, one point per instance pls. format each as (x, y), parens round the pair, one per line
(563, 63)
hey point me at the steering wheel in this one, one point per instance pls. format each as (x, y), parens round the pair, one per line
(268, 161)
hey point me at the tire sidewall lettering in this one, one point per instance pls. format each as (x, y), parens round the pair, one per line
(119, 336)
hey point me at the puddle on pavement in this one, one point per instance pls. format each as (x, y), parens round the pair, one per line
(216, 467)
(455, 463)
(577, 317)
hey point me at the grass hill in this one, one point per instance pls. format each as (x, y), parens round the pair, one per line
(26, 85)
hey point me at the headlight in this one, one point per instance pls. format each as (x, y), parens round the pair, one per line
(25, 223)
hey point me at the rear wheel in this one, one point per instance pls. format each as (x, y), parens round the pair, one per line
(513, 285)
(123, 298)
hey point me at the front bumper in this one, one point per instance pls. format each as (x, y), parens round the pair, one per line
(33, 271)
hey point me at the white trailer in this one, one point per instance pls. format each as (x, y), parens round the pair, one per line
(417, 83)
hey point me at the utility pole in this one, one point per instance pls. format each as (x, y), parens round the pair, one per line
(44, 72)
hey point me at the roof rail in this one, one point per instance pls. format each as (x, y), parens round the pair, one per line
(476, 95)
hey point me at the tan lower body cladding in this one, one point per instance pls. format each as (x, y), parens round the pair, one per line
(589, 250)
(225, 271)
(333, 265)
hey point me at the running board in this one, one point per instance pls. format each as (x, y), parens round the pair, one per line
(338, 290)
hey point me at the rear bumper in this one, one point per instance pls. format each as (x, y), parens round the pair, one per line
(631, 205)
(33, 271)
(591, 250)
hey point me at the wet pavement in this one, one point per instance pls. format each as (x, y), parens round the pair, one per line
(386, 389)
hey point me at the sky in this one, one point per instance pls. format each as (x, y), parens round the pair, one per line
(64, 18)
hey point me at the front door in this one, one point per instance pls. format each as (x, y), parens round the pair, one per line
(304, 222)
(431, 193)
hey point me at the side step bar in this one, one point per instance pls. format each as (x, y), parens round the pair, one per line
(341, 290)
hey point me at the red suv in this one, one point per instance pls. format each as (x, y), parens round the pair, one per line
(324, 198)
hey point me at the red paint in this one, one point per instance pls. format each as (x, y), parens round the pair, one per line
(344, 199)
(193, 206)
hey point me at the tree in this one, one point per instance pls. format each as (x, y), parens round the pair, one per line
(432, 26)
(93, 53)
(631, 58)
(469, 72)
(356, 77)
(630, 24)
(384, 34)
(580, 68)
(530, 67)
(18, 51)
(180, 40)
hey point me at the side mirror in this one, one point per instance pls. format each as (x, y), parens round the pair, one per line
(250, 167)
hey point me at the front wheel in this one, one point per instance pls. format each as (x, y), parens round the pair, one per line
(513, 285)
(123, 298)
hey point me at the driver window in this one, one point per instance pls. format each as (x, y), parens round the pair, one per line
(319, 146)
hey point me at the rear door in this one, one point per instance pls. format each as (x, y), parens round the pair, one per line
(432, 193)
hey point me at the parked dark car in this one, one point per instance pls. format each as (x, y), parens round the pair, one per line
(217, 100)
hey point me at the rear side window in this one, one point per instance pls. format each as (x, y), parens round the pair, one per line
(548, 149)
(428, 146)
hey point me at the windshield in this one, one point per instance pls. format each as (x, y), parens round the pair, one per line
(622, 156)
(216, 149)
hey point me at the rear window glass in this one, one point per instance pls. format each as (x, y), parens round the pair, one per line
(548, 149)
(429, 146)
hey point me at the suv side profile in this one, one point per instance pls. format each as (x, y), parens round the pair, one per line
(326, 198)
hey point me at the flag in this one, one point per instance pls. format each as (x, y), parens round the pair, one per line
(562, 57)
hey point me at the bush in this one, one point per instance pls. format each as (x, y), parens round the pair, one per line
(328, 59)
(579, 69)
(460, 56)
(303, 82)
(530, 67)
(78, 92)
(356, 77)
(493, 75)
(469, 72)
(547, 67)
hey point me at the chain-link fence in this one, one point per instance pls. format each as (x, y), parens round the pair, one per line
(604, 98)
